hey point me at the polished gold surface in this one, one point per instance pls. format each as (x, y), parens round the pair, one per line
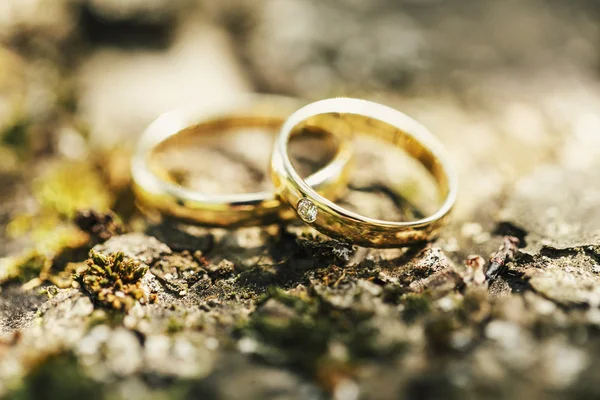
(156, 192)
(374, 119)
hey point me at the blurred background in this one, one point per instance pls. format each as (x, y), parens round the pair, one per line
(507, 86)
(511, 87)
(502, 83)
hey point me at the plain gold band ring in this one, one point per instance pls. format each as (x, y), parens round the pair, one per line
(259, 111)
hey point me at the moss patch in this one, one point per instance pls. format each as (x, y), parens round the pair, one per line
(298, 328)
(113, 280)
(67, 187)
(59, 377)
(35, 264)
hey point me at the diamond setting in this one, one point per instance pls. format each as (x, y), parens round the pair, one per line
(307, 210)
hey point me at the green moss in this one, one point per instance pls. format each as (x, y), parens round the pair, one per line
(16, 138)
(415, 306)
(113, 280)
(61, 190)
(298, 302)
(49, 291)
(297, 328)
(439, 329)
(294, 330)
(175, 325)
(21, 268)
(66, 187)
(50, 243)
(58, 377)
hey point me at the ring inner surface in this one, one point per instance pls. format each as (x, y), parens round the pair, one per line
(402, 183)
(230, 155)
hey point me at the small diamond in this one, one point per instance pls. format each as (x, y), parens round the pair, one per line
(307, 210)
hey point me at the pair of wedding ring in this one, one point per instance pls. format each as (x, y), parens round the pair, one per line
(312, 197)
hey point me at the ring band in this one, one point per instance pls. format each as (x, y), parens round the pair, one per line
(258, 111)
(385, 123)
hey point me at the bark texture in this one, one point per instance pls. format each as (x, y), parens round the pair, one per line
(99, 301)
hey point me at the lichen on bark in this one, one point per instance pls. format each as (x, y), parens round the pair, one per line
(114, 281)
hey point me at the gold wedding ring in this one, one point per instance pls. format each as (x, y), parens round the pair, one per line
(385, 123)
(257, 111)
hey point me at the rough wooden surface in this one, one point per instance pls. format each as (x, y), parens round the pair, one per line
(504, 305)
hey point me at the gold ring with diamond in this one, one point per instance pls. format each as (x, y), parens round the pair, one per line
(387, 124)
(157, 192)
